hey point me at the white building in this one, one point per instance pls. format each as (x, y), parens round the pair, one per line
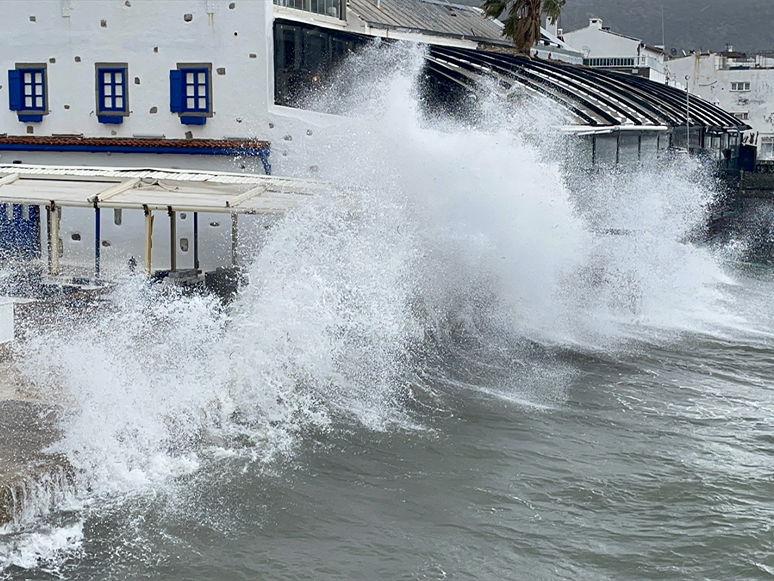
(742, 85)
(191, 84)
(603, 48)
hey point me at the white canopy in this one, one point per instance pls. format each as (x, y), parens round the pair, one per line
(153, 189)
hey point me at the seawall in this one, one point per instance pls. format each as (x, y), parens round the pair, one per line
(28, 426)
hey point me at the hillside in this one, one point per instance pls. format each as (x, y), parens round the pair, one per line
(688, 24)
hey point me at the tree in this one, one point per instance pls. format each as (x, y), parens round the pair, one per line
(522, 25)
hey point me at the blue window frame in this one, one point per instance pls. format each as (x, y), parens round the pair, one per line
(197, 92)
(112, 90)
(33, 83)
(191, 93)
(28, 92)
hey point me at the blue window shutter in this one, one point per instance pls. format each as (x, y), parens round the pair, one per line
(176, 91)
(14, 90)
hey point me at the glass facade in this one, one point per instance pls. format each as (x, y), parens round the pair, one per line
(331, 8)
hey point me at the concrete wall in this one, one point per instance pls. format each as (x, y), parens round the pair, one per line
(709, 78)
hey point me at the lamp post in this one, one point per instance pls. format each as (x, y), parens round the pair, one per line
(687, 117)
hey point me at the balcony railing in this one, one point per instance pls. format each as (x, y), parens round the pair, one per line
(616, 62)
(632, 62)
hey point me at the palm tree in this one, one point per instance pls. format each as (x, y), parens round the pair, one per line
(522, 24)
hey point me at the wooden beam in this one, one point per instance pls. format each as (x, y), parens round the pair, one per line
(251, 193)
(115, 190)
(9, 179)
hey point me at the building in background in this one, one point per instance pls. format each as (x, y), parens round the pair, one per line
(741, 84)
(603, 48)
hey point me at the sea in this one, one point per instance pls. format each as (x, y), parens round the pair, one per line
(468, 361)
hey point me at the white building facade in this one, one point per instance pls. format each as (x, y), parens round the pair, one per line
(179, 84)
(190, 80)
(603, 48)
(742, 85)
(186, 83)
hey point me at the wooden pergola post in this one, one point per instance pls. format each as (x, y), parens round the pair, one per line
(54, 219)
(97, 241)
(234, 239)
(148, 240)
(172, 238)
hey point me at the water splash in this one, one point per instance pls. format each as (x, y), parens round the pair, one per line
(443, 240)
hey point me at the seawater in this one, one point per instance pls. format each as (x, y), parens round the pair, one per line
(457, 366)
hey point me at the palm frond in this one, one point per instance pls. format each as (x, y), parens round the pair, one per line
(522, 25)
(494, 8)
(553, 8)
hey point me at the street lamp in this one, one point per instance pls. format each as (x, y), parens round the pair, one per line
(687, 117)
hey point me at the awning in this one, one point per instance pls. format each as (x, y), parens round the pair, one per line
(153, 189)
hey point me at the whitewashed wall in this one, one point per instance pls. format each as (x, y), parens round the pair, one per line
(707, 79)
(152, 36)
(595, 42)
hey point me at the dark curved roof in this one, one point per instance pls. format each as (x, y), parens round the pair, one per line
(595, 97)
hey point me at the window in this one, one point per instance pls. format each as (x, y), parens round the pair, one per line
(112, 94)
(740, 86)
(191, 93)
(28, 92)
(196, 97)
(766, 150)
(34, 90)
(742, 115)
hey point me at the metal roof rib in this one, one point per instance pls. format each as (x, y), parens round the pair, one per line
(613, 98)
(560, 91)
(640, 111)
(527, 79)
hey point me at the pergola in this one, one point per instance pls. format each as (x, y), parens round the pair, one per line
(170, 190)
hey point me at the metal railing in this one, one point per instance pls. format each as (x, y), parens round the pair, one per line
(641, 61)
